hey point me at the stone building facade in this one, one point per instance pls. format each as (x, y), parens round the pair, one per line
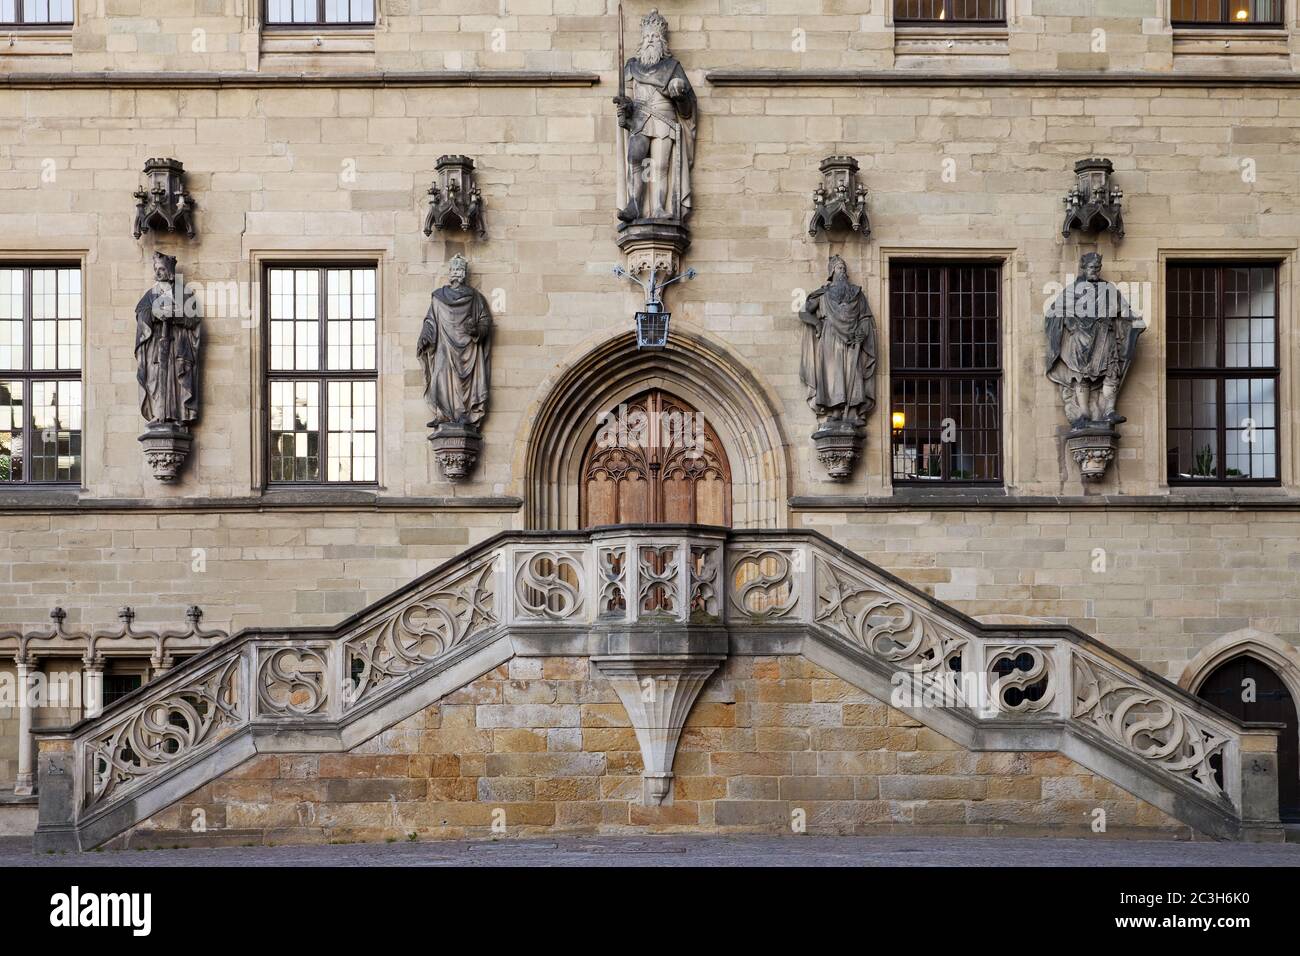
(312, 148)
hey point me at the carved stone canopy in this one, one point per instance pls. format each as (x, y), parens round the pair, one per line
(840, 202)
(163, 203)
(1095, 204)
(455, 201)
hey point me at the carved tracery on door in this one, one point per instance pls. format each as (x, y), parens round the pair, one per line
(655, 460)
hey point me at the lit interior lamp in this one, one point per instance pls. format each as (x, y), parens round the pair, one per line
(898, 420)
(1243, 14)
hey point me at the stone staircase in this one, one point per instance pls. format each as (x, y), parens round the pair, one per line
(659, 607)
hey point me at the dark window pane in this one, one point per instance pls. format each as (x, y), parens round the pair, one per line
(288, 12)
(1226, 12)
(58, 12)
(944, 323)
(12, 419)
(1222, 427)
(117, 686)
(949, 11)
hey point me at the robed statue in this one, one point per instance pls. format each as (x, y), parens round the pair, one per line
(838, 365)
(166, 350)
(1091, 339)
(656, 114)
(454, 349)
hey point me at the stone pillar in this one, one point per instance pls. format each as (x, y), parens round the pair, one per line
(26, 778)
(92, 686)
(159, 664)
(1259, 784)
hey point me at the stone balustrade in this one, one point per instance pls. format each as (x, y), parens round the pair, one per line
(90, 650)
(655, 607)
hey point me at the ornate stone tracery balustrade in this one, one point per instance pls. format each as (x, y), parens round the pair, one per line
(555, 589)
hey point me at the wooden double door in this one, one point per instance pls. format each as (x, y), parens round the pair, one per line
(655, 460)
(1250, 690)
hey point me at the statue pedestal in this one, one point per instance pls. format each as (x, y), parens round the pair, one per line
(838, 445)
(657, 242)
(1093, 449)
(166, 446)
(457, 448)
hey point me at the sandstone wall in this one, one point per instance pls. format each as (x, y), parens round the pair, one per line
(272, 172)
(576, 34)
(545, 744)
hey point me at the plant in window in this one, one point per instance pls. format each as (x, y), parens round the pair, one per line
(1204, 463)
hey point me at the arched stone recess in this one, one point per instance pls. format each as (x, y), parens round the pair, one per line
(701, 371)
(1278, 654)
(1273, 651)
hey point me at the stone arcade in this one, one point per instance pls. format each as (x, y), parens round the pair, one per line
(897, 573)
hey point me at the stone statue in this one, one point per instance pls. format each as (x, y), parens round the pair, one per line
(838, 366)
(839, 349)
(656, 113)
(455, 351)
(167, 370)
(166, 350)
(1092, 336)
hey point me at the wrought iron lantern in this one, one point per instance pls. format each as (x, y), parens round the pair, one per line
(652, 322)
(164, 203)
(1095, 204)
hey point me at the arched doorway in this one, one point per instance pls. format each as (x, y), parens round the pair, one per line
(655, 459)
(1250, 690)
(556, 432)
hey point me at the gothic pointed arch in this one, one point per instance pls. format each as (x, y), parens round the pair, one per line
(1271, 666)
(739, 410)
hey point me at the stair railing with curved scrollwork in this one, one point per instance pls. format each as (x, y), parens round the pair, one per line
(752, 582)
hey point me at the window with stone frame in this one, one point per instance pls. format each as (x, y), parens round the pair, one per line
(317, 14)
(321, 374)
(36, 13)
(40, 374)
(1226, 13)
(1222, 373)
(945, 331)
(950, 12)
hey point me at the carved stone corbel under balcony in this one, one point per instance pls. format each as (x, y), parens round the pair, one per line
(658, 692)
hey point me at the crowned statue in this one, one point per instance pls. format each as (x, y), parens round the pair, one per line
(455, 351)
(656, 115)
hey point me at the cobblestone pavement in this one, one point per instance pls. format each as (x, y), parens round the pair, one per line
(694, 851)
